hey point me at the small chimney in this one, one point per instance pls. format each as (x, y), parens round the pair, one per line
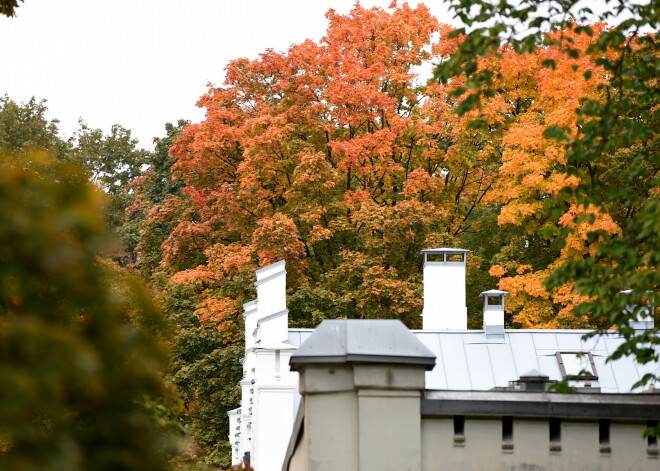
(493, 311)
(444, 289)
(644, 318)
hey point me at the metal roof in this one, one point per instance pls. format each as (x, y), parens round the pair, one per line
(469, 361)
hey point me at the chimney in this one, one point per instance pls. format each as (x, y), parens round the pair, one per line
(643, 318)
(272, 315)
(444, 289)
(250, 321)
(493, 311)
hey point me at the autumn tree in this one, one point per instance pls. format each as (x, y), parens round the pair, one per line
(333, 156)
(328, 156)
(338, 158)
(593, 168)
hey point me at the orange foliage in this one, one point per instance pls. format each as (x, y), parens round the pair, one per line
(336, 158)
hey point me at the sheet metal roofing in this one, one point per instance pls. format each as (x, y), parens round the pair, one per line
(468, 361)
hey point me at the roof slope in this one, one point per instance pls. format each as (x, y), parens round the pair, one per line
(469, 361)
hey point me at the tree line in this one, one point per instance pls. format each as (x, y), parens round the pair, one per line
(538, 153)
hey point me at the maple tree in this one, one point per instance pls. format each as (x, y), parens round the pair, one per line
(607, 205)
(338, 158)
(329, 156)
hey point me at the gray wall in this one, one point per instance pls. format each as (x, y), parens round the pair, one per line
(580, 449)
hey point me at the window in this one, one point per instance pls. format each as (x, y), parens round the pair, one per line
(459, 430)
(604, 435)
(577, 365)
(455, 257)
(494, 300)
(507, 433)
(652, 442)
(555, 434)
(435, 257)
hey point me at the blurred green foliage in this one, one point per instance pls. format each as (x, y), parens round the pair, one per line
(111, 160)
(80, 360)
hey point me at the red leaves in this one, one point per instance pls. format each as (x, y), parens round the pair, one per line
(332, 157)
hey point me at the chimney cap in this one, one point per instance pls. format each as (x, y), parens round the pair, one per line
(363, 341)
(493, 292)
(444, 250)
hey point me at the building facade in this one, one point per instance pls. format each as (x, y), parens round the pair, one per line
(373, 395)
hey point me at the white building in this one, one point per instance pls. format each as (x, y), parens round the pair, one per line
(468, 376)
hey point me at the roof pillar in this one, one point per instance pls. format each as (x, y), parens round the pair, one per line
(362, 382)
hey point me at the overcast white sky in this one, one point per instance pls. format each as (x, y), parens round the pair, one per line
(142, 63)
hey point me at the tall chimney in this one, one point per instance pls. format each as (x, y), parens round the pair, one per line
(444, 289)
(493, 311)
(272, 315)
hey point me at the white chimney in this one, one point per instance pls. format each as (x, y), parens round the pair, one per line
(493, 311)
(643, 319)
(272, 316)
(444, 289)
(250, 321)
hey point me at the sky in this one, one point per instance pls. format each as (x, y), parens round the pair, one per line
(143, 63)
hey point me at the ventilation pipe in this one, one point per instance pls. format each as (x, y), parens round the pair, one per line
(493, 311)
(643, 315)
(444, 289)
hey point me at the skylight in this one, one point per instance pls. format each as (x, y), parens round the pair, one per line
(577, 365)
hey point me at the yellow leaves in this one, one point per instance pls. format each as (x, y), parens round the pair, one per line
(530, 284)
(199, 274)
(517, 212)
(228, 261)
(523, 268)
(584, 221)
(314, 169)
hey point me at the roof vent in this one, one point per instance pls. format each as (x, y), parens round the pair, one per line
(493, 311)
(533, 381)
(643, 319)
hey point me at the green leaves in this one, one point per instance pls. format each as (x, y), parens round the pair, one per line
(79, 350)
(615, 142)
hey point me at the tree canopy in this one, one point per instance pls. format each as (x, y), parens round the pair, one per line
(603, 152)
(339, 158)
